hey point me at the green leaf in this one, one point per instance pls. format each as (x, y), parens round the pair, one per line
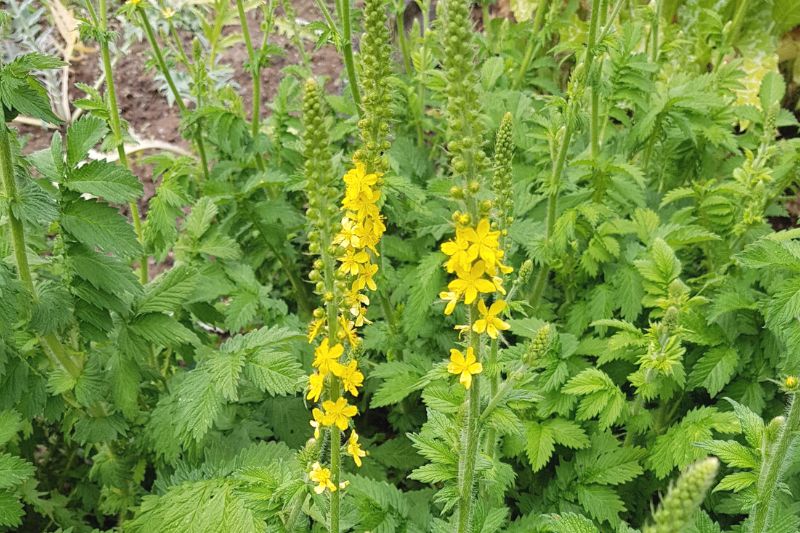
(110, 181)
(163, 329)
(82, 136)
(603, 503)
(773, 88)
(539, 444)
(11, 510)
(736, 482)
(715, 369)
(600, 396)
(568, 433)
(570, 523)
(786, 14)
(13, 470)
(99, 225)
(168, 292)
(274, 373)
(10, 425)
(732, 453)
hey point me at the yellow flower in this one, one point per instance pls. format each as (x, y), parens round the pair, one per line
(353, 261)
(349, 234)
(351, 377)
(489, 321)
(316, 382)
(134, 2)
(317, 422)
(354, 448)
(322, 477)
(357, 179)
(471, 282)
(347, 331)
(326, 358)
(451, 298)
(168, 13)
(314, 328)
(484, 242)
(466, 366)
(365, 279)
(457, 250)
(791, 382)
(339, 412)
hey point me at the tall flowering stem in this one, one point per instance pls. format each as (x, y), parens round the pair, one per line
(475, 257)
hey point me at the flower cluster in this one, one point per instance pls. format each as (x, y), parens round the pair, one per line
(361, 230)
(476, 259)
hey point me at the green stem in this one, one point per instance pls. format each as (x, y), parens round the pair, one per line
(469, 440)
(771, 475)
(347, 52)
(255, 70)
(560, 163)
(534, 43)
(50, 343)
(654, 32)
(116, 131)
(738, 19)
(403, 39)
(162, 66)
(490, 447)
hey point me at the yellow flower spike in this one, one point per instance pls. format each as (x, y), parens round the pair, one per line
(351, 377)
(316, 382)
(354, 448)
(489, 321)
(339, 412)
(471, 282)
(322, 477)
(317, 422)
(452, 299)
(465, 366)
(326, 358)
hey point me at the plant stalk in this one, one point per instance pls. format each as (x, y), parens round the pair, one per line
(771, 475)
(116, 130)
(347, 52)
(534, 43)
(560, 163)
(255, 70)
(49, 342)
(470, 438)
(162, 65)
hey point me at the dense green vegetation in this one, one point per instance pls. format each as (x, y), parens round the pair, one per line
(526, 272)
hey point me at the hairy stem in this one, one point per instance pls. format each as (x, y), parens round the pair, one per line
(347, 52)
(563, 149)
(773, 470)
(162, 66)
(255, 70)
(49, 342)
(534, 43)
(116, 130)
(469, 440)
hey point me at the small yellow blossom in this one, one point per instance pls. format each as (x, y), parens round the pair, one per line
(314, 328)
(451, 298)
(483, 243)
(365, 279)
(351, 377)
(489, 321)
(168, 13)
(347, 331)
(339, 412)
(791, 383)
(326, 358)
(457, 249)
(352, 262)
(316, 382)
(348, 236)
(471, 282)
(322, 477)
(354, 448)
(465, 366)
(317, 422)
(134, 2)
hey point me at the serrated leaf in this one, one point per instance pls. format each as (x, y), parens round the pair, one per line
(715, 369)
(274, 373)
(169, 291)
(110, 181)
(539, 444)
(99, 225)
(603, 503)
(83, 135)
(163, 329)
(11, 510)
(13, 470)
